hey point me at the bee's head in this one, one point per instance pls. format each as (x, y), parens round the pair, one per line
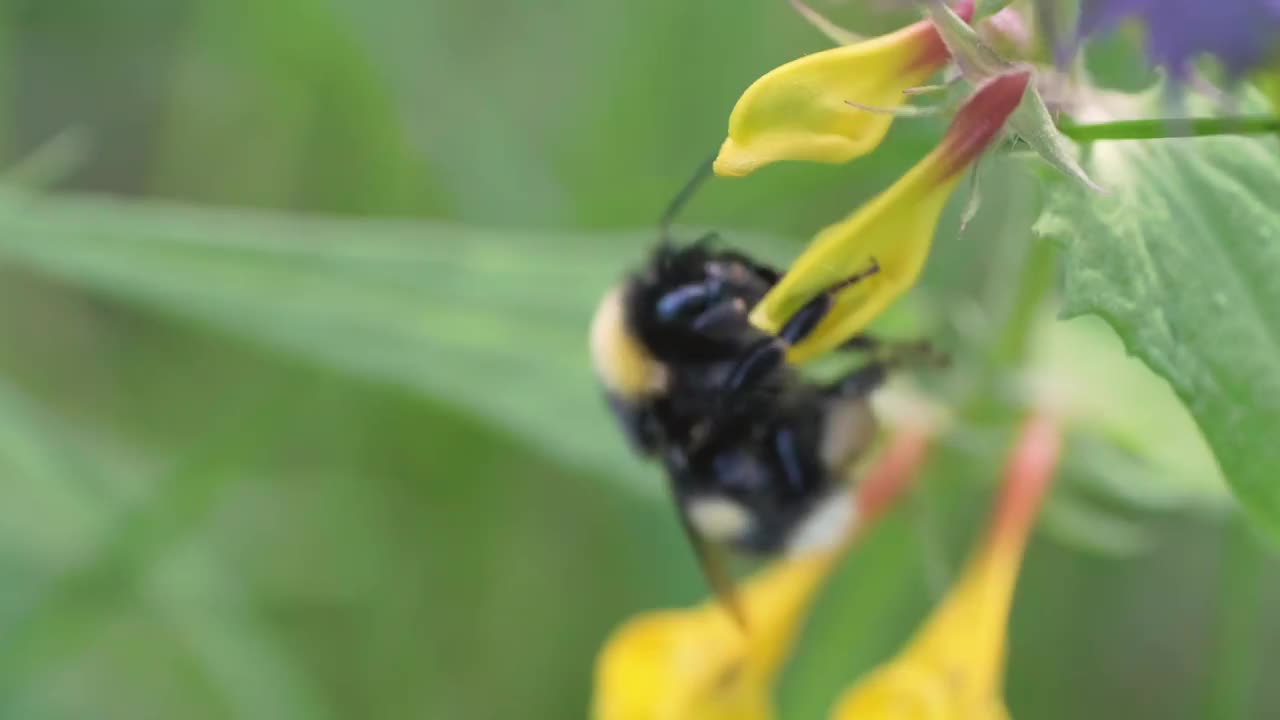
(639, 327)
(690, 304)
(687, 304)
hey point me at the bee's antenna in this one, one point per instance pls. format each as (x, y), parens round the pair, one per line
(686, 193)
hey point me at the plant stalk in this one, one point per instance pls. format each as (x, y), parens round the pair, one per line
(1232, 665)
(1160, 128)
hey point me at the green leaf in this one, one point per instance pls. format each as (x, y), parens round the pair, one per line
(1183, 261)
(58, 621)
(1137, 443)
(495, 322)
(198, 598)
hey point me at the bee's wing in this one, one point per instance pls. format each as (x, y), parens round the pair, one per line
(713, 560)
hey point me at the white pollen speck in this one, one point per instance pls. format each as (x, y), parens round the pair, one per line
(718, 518)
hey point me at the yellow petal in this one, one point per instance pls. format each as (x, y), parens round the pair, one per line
(894, 230)
(801, 110)
(698, 664)
(968, 628)
(952, 669)
(902, 692)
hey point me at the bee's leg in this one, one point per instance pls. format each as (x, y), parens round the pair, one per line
(805, 320)
(898, 352)
(704, 310)
(861, 381)
(723, 320)
(861, 343)
(887, 358)
(786, 449)
(767, 355)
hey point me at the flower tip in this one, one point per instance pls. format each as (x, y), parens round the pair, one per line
(979, 121)
(734, 160)
(893, 472)
(964, 8)
(1028, 473)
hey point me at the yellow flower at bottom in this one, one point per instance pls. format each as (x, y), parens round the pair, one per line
(953, 668)
(892, 232)
(699, 663)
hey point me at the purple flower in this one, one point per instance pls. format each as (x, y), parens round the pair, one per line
(1240, 33)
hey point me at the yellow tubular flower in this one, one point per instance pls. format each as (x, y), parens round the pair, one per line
(698, 663)
(953, 668)
(801, 110)
(893, 231)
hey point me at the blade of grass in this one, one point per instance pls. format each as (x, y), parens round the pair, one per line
(62, 494)
(210, 613)
(61, 619)
(494, 322)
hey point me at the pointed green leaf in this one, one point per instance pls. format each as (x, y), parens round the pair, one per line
(495, 322)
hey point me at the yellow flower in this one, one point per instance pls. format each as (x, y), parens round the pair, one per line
(893, 231)
(699, 663)
(801, 110)
(953, 668)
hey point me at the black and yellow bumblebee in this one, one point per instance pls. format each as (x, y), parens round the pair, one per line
(759, 458)
(757, 455)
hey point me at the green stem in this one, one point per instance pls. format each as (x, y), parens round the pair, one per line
(1034, 285)
(1232, 664)
(1009, 347)
(1157, 128)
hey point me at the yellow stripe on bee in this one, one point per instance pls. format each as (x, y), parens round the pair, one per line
(621, 362)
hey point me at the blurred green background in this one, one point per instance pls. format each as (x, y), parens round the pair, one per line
(347, 460)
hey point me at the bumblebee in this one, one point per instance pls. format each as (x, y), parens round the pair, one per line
(757, 456)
